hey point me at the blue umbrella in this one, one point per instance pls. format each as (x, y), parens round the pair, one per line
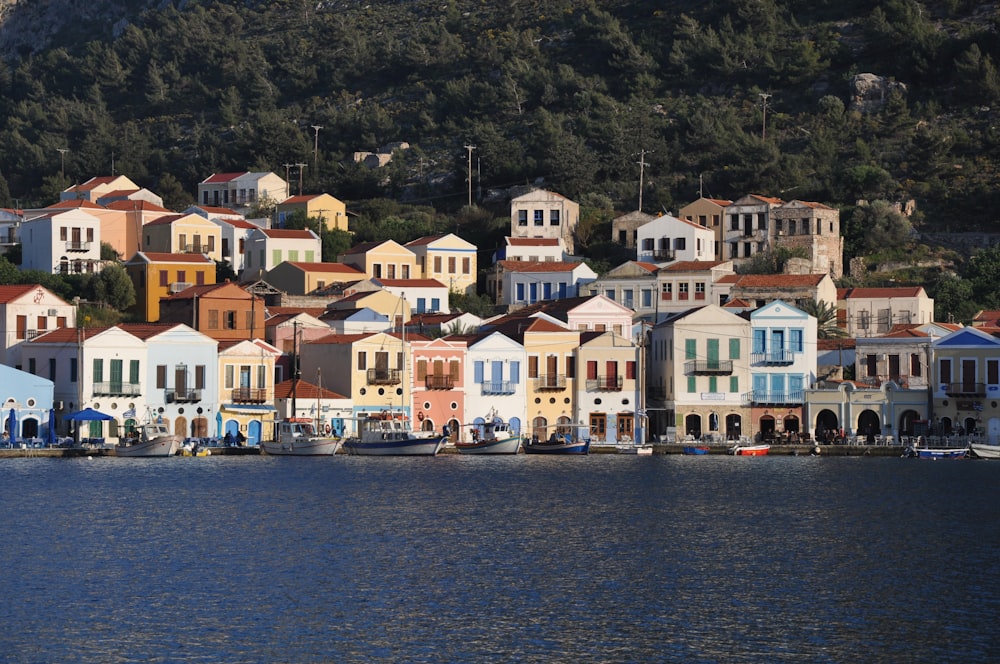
(52, 427)
(12, 426)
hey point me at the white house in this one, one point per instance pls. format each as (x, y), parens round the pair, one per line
(234, 240)
(66, 242)
(243, 189)
(356, 321)
(524, 282)
(423, 295)
(545, 214)
(495, 372)
(266, 248)
(532, 249)
(867, 312)
(26, 311)
(665, 239)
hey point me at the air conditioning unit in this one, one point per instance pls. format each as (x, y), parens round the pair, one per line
(53, 312)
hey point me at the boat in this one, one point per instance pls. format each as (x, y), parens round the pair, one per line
(193, 448)
(496, 438)
(558, 443)
(152, 439)
(695, 449)
(936, 452)
(985, 450)
(297, 436)
(389, 433)
(641, 449)
(750, 450)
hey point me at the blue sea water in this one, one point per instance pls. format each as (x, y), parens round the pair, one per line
(607, 558)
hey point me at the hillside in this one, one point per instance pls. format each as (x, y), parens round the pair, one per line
(726, 97)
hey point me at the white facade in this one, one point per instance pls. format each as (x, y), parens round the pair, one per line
(782, 354)
(66, 242)
(26, 312)
(182, 379)
(265, 249)
(608, 388)
(422, 295)
(668, 238)
(533, 249)
(545, 214)
(496, 380)
(525, 283)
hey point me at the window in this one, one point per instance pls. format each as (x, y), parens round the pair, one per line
(522, 217)
(377, 270)
(553, 217)
(520, 293)
(993, 372)
(213, 319)
(680, 243)
(630, 370)
(391, 271)
(477, 371)
(945, 370)
(199, 377)
(571, 367)
(690, 349)
(362, 360)
(435, 304)
(539, 217)
(734, 384)
(692, 385)
(161, 376)
(666, 291)
(276, 256)
(795, 341)
(164, 279)
(591, 370)
(734, 222)
(699, 290)
(451, 265)
(682, 291)
(52, 368)
(98, 376)
(437, 264)
(133, 372)
(915, 365)
(406, 272)
(421, 369)
(229, 377)
(734, 349)
(230, 320)
(647, 298)
(533, 366)
(466, 266)
(871, 365)
(648, 244)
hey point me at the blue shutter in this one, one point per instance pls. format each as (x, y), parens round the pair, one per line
(515, 372)
(796, 340)
(520, 293)
(435, 304)
(759, 340)
(497, 372)
(421, 305)
(759, 385)
(478, 369)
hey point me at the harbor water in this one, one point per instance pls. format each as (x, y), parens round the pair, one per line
(609, 558)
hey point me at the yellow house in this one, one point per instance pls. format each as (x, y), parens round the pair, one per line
(382, 260)
(381, 301)
(246, 389)
(297, 278)
(332, 211)
(448, 259)
(156, 275)
(183, 234)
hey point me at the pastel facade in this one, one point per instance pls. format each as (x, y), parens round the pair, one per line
(27, 311)
(29, 397)
(246, 390)
(183, 377)
(966, 382)
(298, 278)
(97, 187)
(331, 411)
(243, 189)
(332, 211)
(632, 284)
(685, 284)
(122, 226)
(520, 283)
(533, 250)
(709, 213)
(66, 242)
(421, 295)
(382, 260)
(495, 380)
(234, 233)
(156, 275)
(545, 214)
(265, 249)
(867, 312)
(183, 234)
(438, 389)
(608, 388)
(666, 239)
(448, 259)
(356, 321)
(225, 312)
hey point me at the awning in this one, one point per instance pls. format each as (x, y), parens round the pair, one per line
(248, 408)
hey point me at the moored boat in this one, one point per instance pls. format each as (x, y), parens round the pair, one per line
(985, 450)
(496, 438)
(557, 444)
(390, 434)
(152, 440)
(640, 449)
(297, 436)
(750, 450)
(695, 449)
(936, 452)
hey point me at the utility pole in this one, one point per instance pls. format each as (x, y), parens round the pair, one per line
(316, 129)
(470, 148)
(287, 185)
(301, 168)
(642, 171)
(62, 162)
(764, 96)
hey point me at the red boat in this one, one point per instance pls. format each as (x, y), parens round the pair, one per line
(750, 450)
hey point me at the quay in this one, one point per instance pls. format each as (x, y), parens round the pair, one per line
(76, 452)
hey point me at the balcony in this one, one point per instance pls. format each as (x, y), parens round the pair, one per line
(432, 382)
(708, 367)
(78, 245)
(965, 389)
(116, 389)
(777, 399)
(550, 382)
(664, 255)
(773, 357)
(385, 376)
(604, 384)
(182, 395)
(498, 387)
(875, 382)
(248, 395)
(193, 249)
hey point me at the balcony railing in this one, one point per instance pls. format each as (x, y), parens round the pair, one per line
(550, 382)
(498, 387)
(664, 254)
(77, 245)
(116, 389)
(708, 367)
(877, 381)
(193, 249)
(768, 398)
(433, 382)
(773, 357)
(182, 396)
(249, 395)
(965, 389)
(604, 384)
(384, 376)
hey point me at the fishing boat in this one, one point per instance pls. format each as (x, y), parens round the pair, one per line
(985, 450)
(389, 433)
(557, 443)
(640, 449)
(496, 437)
(297, 436)
(936, 452)
(152, 439)
(750, 450)
(695, 449)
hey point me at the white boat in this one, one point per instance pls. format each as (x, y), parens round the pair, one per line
(642, 449)
(750, 450)
(153, 440)
(496, 438)
(985, 450)
(389, 433)
(298, 437)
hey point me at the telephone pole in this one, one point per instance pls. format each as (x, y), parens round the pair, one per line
(62, 162)
(470, 148)
(642, 171)
(316, 129)
(288, 192)
(301, 168)
(764, 96)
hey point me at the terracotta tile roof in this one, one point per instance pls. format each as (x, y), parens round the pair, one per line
(216, 210)
(119, 193)
(280, 315)
(767, 199)
(719, 201)
(63, 335)
(329, 268)
(835, 344)
(538, 266)
(303, 390)
(728, 279)
(364, 247)
(649, 267)
(532, 242)
(431, 319)
(128, 206)
(879, 293)
(166, 220)
(215, 178)
(236, 223)
(425, 240)
(75, 204)
(738, 303)
(159, 257)
(93, 183)
(301, 198)
(690, 266)
(14, 291)
(813, 204)
(287, 234)
(413, 283)
(779, 280)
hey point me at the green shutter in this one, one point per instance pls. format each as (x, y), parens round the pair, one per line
(734, 349)
(734, 384)
(713, 354)
(98, 370)
(713, 384)
(692, 386)
(690, 349)
(133, 372)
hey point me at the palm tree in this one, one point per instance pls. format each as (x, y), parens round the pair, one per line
(826, 319)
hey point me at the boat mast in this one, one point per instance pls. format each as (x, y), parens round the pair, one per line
(295, 364)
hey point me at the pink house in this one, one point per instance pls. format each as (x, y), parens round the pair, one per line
(438, 385)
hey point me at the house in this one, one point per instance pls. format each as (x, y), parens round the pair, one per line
(685, 284)
(796, 289)
(422, 295)
(438, 324)
(225, 311)
(267, 248)
(782, 366)
(448, 259)
(234, 233)
(865, 312)
(99, 186)
(545, 214)
(134, 196)
(667, 239)
(215, 212)
(388, 304)
(632, 284)
(331, 211)
(859, 411)
(298, 278)
(247, 395)
(63, 242)
(986, 318)
(387, 259)
(26, 311)
(287, 331)
(10, 229)
(439, 384)
(902, 356)
(243, 189)
(519, 283)
(815, 228)
(183, 234)
(356, 321)
(494, 370)
(965, 383)
(532, 250)
(123, 231)
(304, 399)
(709, 213)
(584, 313)
(29, 398)
(699, 365)
(156, 275)
(608, 392)
(748, 227)
(625, 228)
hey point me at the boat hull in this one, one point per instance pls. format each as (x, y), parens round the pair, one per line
(751, 450)
(640, 450)
(984, 451)
(502, 446)
(577, 447)
(698, 450)
(940, 452)
(161, 446)
(405, 447)
(302, 447)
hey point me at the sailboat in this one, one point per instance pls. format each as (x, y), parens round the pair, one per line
(300, 436)
(390, 432)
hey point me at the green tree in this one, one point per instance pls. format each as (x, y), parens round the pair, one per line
(114, 288)
(826, 319)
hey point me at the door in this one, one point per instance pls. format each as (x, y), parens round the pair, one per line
(894, 368)
(713, 354)
(116, 377)
(496, 375)
(968, 376)
(611, 373)
(777, 344)
(551, 369)
(253, 432)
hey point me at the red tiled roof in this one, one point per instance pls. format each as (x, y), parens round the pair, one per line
(532, 242)
(158, 257)
(73, 204)
(14, 291)
(166, 220)
(287, 234)
(93, 183)
(301, 198)
(222, 177)
(216, 210)
(414, 283)
(690, 266)
(649, 267)
(421, 241)
(538, 266)
(835, 344)
(879, 293)
(303, 390)
(719, 201)
(779, 280)
(119, 193)
(128, 206)
(728, 279)
(338, 268)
